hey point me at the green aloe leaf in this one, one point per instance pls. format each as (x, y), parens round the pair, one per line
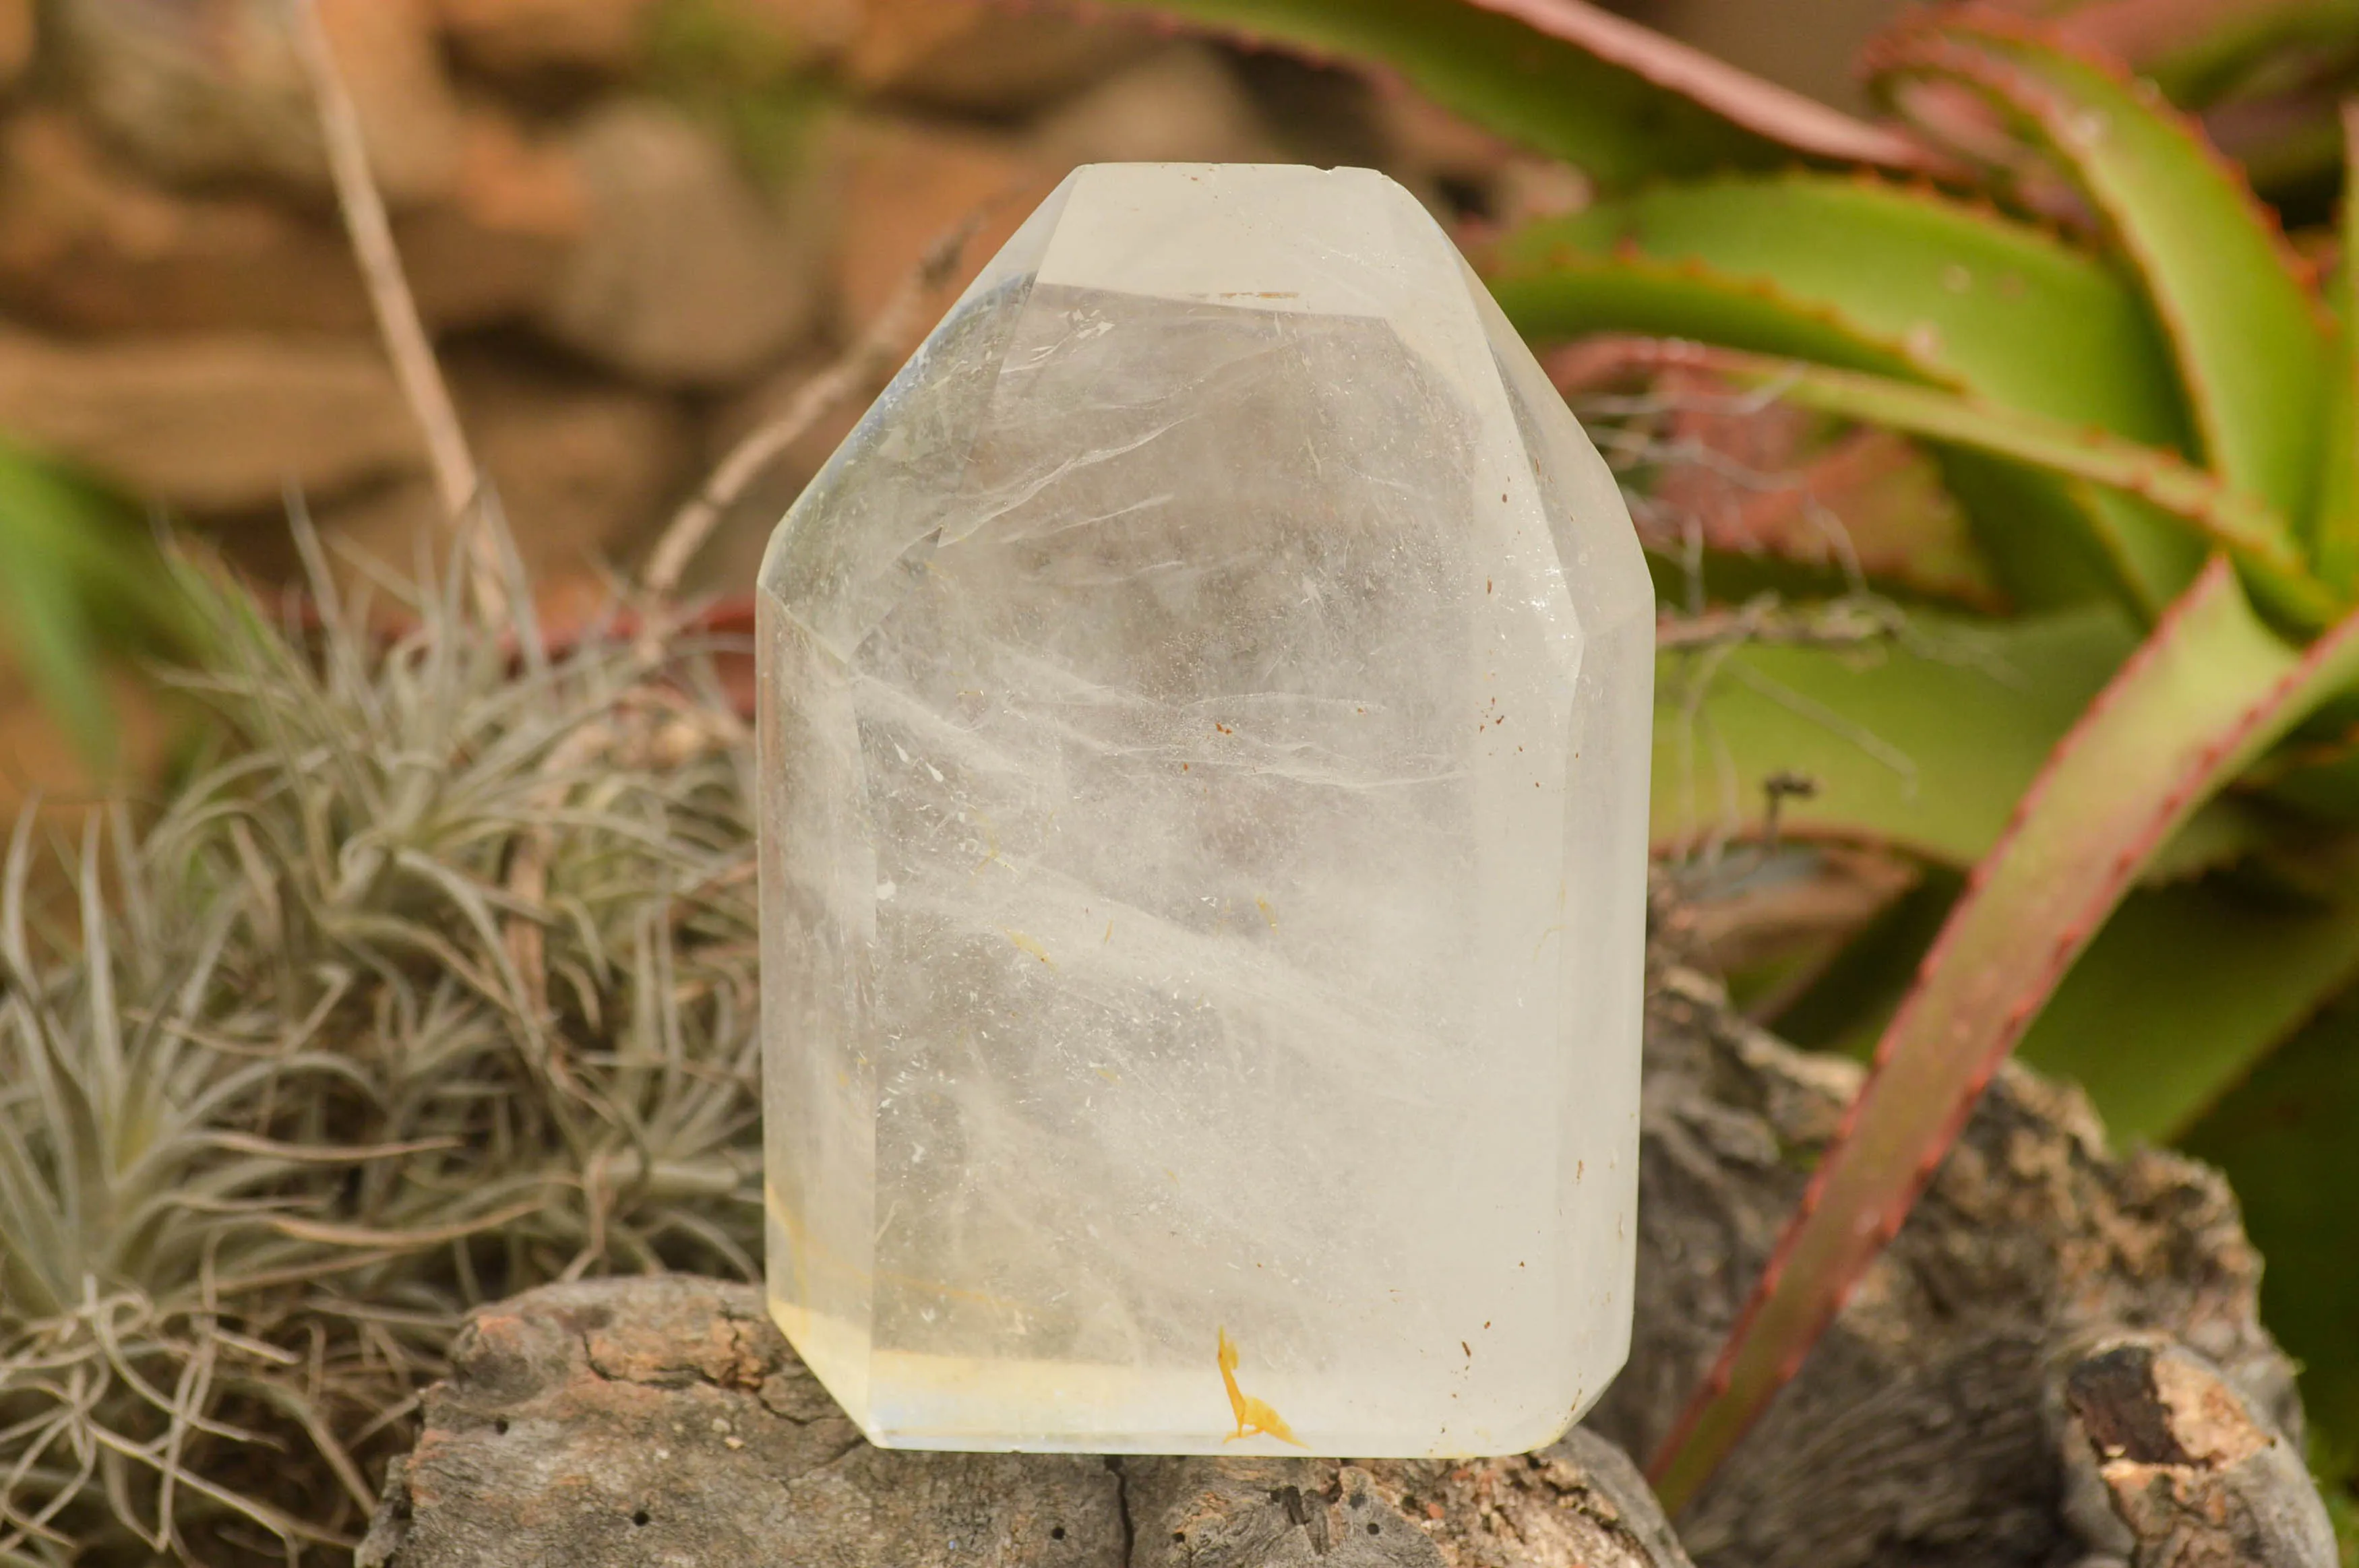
(2230, 292)
(2208, 691)
(2185, 990)
(1563, 292)
(1928, 286)
(2335, 543)
(1918, 286)
(2196, 49)
(1923, 745)
(1623, 102)
(2284, 1137)
(2319, 778)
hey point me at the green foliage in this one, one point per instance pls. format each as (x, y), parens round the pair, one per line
(2125, 372)
(1923, 744)
(750, 79)
(2249, 337)
(1624, 103)
(439, 982)
(1943, 291)
(2278, 1131)
(1924, 288)
(2209, 690)
(80, 581)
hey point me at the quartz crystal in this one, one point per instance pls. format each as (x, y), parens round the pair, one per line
(1203, 743)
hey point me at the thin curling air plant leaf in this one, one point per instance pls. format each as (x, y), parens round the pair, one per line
(2219, 517)
(2209, 689)
(1618, 99)
(275, 1116)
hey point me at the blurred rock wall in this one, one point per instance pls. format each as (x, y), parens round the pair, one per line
(635, 226)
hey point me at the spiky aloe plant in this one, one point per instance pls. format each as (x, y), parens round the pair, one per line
(2138, 394)
(437, 982)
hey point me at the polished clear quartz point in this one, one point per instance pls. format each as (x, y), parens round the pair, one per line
(1203, 752)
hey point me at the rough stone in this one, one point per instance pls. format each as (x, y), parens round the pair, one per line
(982, 55)
(905, 184)
(18, 32)
(733, 556)
(638, 1421)
(824, 29)
(1429, 144)
(1918, 1431)
(90, 242)
(204, 89)
(504, 239)
(523, 36)
(213, 423)
(1180, 104)
(584, 467)
(1579, 1503)
(44, 771)
(1983, 1457)
(531, 38)
(687, 274)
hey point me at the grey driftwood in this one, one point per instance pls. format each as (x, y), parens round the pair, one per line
(2059, 1362)
(666, 1421)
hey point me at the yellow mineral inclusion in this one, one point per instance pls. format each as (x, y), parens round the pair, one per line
(1252, 1415)
(1030, 945)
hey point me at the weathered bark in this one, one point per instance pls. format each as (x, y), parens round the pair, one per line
(666, 1421)
(1917, 1432)
(2168, 1465)
(1947, 1421)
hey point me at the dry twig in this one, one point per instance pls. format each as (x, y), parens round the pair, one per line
(457, 480)
(870, 356)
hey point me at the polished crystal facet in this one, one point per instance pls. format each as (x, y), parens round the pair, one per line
(1203, 745)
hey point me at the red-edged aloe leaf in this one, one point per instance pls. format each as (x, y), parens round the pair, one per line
(1847, 1007)
(1870, 275)
(2335, 543)
(2284, 1137)
(1932, 289)
(2205, 694)
(1620, 100)
(2193, 50)
(2182, 992)
(2229, 291)
(2220, 517)
(1576, 294)
(1922, 745)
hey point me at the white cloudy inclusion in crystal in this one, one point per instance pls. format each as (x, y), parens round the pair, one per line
(1203, 746)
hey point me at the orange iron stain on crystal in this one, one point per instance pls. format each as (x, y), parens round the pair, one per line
(1252, 1415)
